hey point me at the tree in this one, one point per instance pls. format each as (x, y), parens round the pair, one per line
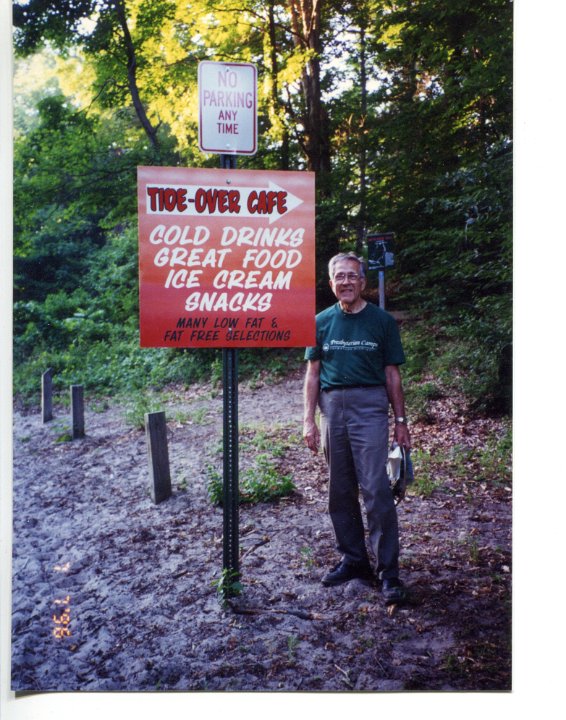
(74, 178)
(62, 24)
(445, 95)
(306, 21)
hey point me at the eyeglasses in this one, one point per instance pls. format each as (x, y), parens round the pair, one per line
(350, 277)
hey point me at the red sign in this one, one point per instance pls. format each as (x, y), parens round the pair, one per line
(226, 258)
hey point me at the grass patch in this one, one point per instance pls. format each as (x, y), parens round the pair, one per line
(261, 482)
(276, 440)
(148, 402)
(136, 409)
(227, 585)
(262, 452)
(418, 397)
(489, 464)
(425, 468)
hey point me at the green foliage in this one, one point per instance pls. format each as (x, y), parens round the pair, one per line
(307, 557)
(470, 356)
(137, 408)
(495, 459)
(260, 479)
(293, 642)
(263, 481)
(418, 397)
(260, 482)
(275, 440)
(269, 364)
(425, 468)
(490, 464)
(227, 585)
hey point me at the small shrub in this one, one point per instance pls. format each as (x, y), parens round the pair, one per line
(496, 459)
(292, 644)
(307, 556)
(418, 398)
(228, 585)
(424, 468)
(137, 409)
(261, 482)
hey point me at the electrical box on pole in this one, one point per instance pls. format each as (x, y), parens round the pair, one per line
(380, 257)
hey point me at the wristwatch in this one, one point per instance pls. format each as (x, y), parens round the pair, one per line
(401, 420)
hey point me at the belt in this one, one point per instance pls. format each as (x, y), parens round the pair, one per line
(348, 387)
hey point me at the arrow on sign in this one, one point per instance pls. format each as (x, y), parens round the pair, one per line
(272, 202)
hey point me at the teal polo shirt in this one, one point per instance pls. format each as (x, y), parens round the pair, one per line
(354, 348)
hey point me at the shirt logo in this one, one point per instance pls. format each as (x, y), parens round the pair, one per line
(366, 345)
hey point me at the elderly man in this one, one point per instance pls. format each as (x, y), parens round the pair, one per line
(353, 376)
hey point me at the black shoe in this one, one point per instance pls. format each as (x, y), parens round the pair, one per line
(344, 572)
(393, 591)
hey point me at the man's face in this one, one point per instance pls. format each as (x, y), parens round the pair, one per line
(346, 282)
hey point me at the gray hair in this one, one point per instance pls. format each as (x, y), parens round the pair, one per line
(347, 256)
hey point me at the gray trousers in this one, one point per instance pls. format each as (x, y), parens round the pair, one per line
(355, 439)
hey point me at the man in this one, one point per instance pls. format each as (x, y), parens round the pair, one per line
(353, 375)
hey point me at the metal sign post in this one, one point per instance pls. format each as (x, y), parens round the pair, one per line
(228, 126)
(381, 285)
(231, 492)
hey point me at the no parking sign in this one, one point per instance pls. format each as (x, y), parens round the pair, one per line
(227, 108)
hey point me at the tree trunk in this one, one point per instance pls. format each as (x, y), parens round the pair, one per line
(150, 131)
(274, 69)
(306, 23)
(362, 215)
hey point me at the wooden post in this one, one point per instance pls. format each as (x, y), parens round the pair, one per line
(158, 455)
(77, 411)
(47, 395)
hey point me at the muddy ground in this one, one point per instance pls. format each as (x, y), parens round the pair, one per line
(114, 593)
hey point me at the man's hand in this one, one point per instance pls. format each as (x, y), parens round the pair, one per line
(311, 434)
(311, 391)
(397, 399)
(402, 435)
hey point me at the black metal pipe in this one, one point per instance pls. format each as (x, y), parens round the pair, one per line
(231, 538)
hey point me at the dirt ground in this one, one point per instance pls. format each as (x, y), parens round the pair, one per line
(114, 593)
